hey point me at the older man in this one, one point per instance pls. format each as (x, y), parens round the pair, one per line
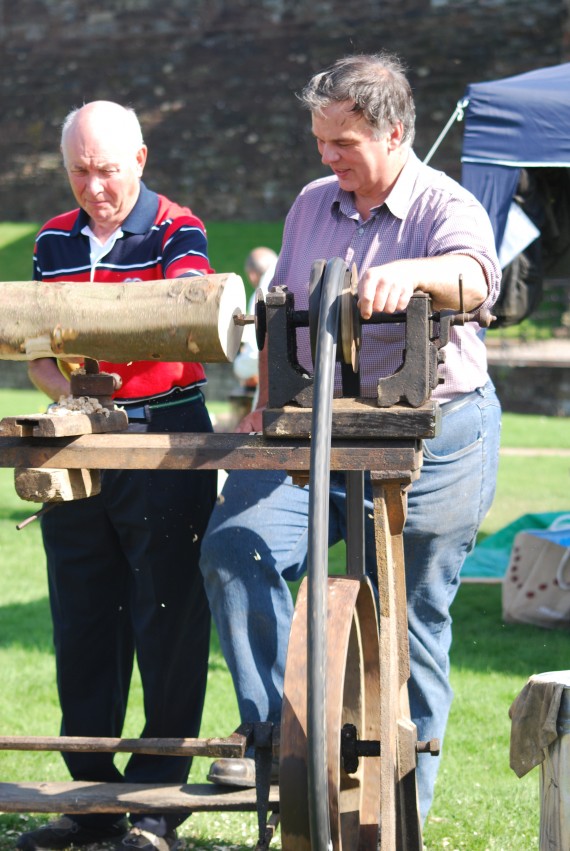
(407, 228)
(123, 566)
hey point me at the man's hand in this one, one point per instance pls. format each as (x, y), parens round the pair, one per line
(117, 380)
(389, 288)
(252, 423)
(385, 289)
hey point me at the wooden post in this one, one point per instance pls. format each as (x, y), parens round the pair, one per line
(400, 822)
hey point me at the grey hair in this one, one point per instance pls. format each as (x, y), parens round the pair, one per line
(129, 118)
(377, 86)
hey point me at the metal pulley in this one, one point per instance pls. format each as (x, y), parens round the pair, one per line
(260, 319)
(349, 331)
(350, 322)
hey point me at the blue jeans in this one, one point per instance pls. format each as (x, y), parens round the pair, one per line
(257, 539)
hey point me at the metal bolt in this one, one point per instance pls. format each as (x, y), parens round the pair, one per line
(432, 747)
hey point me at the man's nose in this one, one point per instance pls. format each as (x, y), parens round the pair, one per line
(94, 184)
(329, 154)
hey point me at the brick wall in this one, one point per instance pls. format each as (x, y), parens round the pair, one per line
(214, 84)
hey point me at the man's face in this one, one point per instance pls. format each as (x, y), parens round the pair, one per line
(347, 145)
(104, 174)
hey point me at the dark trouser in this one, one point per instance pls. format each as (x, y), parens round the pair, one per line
(124, 579)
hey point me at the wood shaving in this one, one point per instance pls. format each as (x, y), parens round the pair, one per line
(78, 405)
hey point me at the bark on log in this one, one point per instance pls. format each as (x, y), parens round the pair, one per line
(181, 319)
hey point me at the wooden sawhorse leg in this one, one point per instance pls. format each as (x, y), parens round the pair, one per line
(399, 817)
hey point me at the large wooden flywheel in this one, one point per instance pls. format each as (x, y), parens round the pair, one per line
(353, 680)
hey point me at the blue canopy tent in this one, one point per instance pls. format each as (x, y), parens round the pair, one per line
(516, 161)
(513, 123)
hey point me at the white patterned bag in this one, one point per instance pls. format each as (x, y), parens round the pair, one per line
(536, 586)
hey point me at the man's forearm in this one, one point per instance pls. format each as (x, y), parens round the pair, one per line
(45, 375)
(440, 278)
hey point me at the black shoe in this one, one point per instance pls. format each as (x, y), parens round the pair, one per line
(238, 772)
(64, 832)
(144, 840)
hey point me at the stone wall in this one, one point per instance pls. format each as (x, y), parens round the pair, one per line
(214, 83)
(524, 389)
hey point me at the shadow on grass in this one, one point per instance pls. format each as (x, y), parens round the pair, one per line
(483, 642)
(16, 515)
(13, 824)
(26, 625)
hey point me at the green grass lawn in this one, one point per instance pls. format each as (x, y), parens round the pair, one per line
(480, 804)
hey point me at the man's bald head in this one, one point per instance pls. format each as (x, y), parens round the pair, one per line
(258, 261)
(105, 118)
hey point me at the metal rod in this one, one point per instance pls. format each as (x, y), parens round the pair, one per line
(36, 516)
(457, 116)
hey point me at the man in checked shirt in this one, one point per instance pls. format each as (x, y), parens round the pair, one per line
(407, 228)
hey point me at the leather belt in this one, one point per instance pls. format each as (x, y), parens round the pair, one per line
(140, 410)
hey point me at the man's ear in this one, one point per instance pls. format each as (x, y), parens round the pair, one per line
(396, 135)
(141, 159)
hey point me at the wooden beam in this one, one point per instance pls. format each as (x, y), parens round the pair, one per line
(66, 425)
(55, 485)
(133, 451)
(357, 419)
(233, 746)
(83, 797)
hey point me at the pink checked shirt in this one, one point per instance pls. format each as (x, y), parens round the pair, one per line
(426, 214)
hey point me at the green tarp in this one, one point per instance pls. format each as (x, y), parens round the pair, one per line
(489, 560)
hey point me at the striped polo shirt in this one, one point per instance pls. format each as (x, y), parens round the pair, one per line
(425, 215)
(157, 240)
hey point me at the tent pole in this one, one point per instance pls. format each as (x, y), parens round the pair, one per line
(457, 116)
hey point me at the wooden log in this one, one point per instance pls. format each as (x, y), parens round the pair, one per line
(34, 484)
(182, 319)
(83, 797)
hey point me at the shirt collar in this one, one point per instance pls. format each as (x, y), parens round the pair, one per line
(398, 201)
(400, 198)
(139, 220)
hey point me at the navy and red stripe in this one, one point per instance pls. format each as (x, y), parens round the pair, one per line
(160, 240)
